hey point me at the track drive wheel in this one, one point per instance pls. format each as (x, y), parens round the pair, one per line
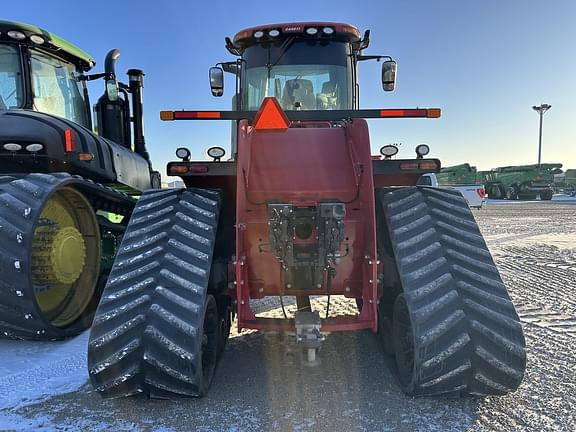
(49, 255)
(455, 330)
(65, 257)
(156, 331)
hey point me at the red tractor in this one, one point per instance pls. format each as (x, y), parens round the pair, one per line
(301, 209)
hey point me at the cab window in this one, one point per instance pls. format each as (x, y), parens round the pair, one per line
(11, 94)
(301, 75)
(56, 88)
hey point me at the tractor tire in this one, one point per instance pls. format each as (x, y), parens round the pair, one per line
(512, 193)
(455, 329)
(50, 250)
(156, 330)
(546, 195)
(497, 192)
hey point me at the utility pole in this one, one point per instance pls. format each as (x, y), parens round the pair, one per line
(540, 110)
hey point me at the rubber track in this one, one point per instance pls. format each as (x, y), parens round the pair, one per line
(468, 337)
(21, 202)
(147, 333)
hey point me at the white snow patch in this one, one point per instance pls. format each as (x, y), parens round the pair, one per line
(561, 241)
(44, 423)
(557, 198)
(34, 371)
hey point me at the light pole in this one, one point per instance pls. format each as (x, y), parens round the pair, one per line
(540, 110)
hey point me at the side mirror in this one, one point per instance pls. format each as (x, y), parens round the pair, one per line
(389, 75)
(112, 90)
(216, 81)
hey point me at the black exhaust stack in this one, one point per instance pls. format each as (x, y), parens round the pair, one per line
(112, 112)
(110, 63)
(136, 79)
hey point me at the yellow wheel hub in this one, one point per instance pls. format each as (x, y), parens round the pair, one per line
(59, 255)
(65, 259)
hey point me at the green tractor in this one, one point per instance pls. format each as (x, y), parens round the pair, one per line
(60, 182)
(525, 182)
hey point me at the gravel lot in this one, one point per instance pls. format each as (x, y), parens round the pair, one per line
(262, 385)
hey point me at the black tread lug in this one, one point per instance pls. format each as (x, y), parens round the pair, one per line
(173, 286)
(468, 337)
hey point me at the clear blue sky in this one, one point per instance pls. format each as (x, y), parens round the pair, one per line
(485, 63)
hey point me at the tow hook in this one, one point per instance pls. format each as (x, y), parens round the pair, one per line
(308, 334)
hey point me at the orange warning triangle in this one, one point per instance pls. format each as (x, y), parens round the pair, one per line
(270, 117)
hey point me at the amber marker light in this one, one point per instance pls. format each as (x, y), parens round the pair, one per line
(177, 169)
(85, 157)
(428, 165)
(166, 115)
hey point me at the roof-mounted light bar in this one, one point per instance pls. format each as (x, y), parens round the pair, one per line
(306, 29)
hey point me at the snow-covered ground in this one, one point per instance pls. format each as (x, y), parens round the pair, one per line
(556, 199)
(261, 383)
(32, 371)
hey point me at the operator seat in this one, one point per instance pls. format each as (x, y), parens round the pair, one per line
(328, 98)
(298, 90)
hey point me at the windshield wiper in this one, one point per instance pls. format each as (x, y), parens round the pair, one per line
(283, 48)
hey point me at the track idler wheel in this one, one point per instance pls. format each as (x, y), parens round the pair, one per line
(49, 256)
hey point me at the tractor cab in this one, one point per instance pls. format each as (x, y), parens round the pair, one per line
(41, 72)
(45, 114)
(307, 66)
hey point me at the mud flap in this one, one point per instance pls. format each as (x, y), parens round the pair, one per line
(461, 334)
(155, 330)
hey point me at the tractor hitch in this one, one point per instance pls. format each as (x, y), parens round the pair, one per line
(306, 241)
(308, 333)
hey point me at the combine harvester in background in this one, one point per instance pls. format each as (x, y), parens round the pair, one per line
(566, 182)
(524, 182)
(462, 178)
(302, 209)
(59, 181)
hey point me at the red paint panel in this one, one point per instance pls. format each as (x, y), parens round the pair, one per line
(304, 166)
(301, 165)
